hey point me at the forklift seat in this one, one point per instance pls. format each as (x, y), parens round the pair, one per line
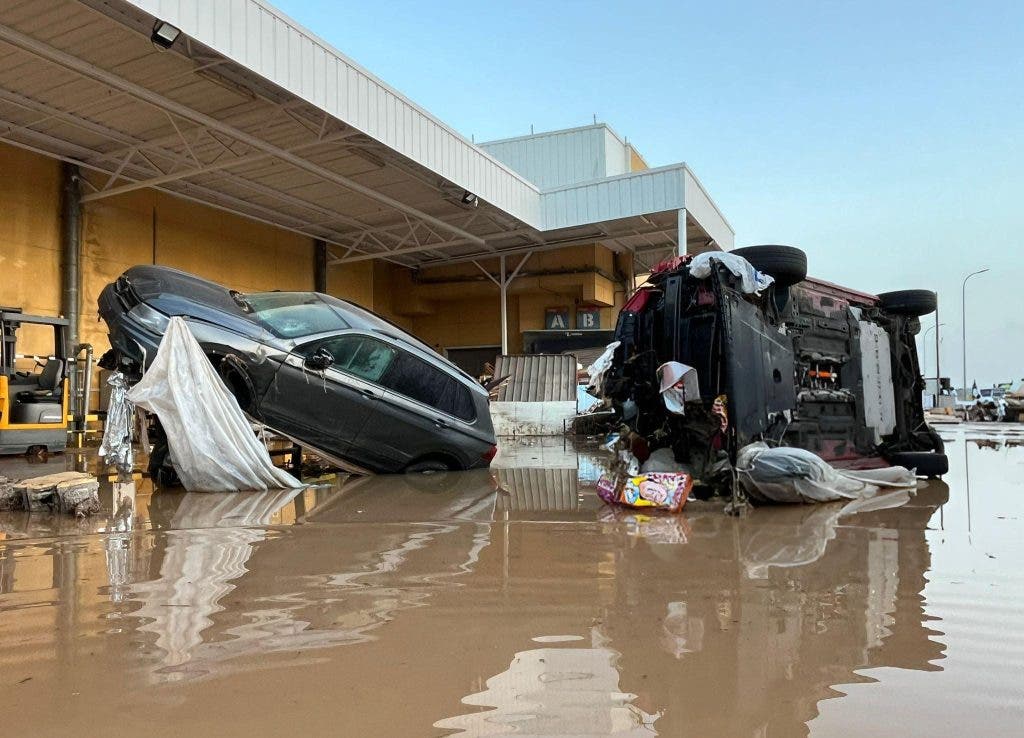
(48, 384)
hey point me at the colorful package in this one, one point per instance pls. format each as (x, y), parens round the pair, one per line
(659, 490)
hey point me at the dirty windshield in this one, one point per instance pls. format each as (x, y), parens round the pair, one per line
(294, 314)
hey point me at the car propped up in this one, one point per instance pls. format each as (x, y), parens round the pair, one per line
(330, 375)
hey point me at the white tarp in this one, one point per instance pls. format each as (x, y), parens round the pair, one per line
(793, 475)
(752, 280)
(211, 443)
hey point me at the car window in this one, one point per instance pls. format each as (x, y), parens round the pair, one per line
(294, 314)
(360, 356)
(418, 380)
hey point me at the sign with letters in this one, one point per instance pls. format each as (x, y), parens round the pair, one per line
(588, 318)
(556, 319)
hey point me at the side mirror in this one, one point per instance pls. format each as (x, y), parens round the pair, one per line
(320, 360)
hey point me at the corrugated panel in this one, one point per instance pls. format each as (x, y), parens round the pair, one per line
(638, 193)
(556, 158)
(586, 356)
(537, 378)
(270, 44)
(702, 209)
(538, 490)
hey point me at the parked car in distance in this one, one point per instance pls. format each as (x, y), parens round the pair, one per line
(805, 363)
(327, 373)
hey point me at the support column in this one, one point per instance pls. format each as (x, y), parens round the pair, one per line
(681, 233)
(71, 251)
(319, 266)
(503, 290)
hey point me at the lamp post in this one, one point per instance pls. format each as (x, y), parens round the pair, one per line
(963, 320)
(924, 363)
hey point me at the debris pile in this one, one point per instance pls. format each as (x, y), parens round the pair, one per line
(75, 493)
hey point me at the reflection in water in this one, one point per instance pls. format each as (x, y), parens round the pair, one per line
(211, 549)
(553, 692)
(721, 626)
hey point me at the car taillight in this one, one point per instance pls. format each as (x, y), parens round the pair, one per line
(489, 454)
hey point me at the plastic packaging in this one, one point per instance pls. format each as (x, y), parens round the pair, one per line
(793, 475)
(657, 490)
(116, 447)
(752, 281)
(211, 443)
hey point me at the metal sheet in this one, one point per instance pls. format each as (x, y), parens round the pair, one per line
(537, 378)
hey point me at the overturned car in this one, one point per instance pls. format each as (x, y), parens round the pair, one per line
(787, 360)
(322, 371)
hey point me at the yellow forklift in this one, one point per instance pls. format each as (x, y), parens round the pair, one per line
(34, 390)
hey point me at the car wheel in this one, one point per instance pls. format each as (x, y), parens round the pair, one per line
(160, 471)
(909, 302)
(425, 466)
(926, 463)
(787, 265)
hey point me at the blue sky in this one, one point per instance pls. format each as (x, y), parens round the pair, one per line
(885, 139)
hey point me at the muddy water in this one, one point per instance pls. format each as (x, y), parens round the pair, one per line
(518, 604)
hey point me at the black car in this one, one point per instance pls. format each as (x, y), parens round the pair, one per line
(805, 363)
(325, 372)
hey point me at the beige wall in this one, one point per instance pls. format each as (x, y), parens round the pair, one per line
(29, 236)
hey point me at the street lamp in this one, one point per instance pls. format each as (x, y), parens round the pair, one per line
(963, 320)
(924, 362)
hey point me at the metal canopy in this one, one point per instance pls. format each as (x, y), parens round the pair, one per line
(249, 113)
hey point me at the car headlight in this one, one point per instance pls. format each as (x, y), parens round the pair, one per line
(152, 319)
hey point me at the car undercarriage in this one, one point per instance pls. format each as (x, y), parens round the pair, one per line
(802, 363)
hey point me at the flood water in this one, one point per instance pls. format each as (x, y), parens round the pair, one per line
(515, 602)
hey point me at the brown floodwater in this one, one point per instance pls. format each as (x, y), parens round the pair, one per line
(515, 602)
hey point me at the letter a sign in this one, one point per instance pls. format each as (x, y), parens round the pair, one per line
(556, 319)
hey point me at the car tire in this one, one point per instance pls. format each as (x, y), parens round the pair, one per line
(787, 265)
(909, 302)
(426, 466)
(925, 463)
(161, 472)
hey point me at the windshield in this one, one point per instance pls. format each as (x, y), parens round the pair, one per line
(294, 314)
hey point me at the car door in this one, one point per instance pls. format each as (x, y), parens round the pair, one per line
(417, 417)
(328, 409)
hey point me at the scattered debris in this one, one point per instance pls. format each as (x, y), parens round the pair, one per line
(9, 498)
(75, 493)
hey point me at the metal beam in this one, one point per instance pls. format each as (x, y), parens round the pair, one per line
(195, 172)
(61, 58)
(82, 157)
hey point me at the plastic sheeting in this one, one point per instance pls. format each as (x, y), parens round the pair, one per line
(601, 365)
(211, 443)
(752, 281)
(793, 475)
(116, 447)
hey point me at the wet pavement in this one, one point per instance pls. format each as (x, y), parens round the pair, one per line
(517, 603)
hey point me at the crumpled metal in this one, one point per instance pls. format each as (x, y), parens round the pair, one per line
(117, 432)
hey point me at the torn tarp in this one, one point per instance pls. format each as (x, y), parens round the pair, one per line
(211, 443)
(793, 475)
